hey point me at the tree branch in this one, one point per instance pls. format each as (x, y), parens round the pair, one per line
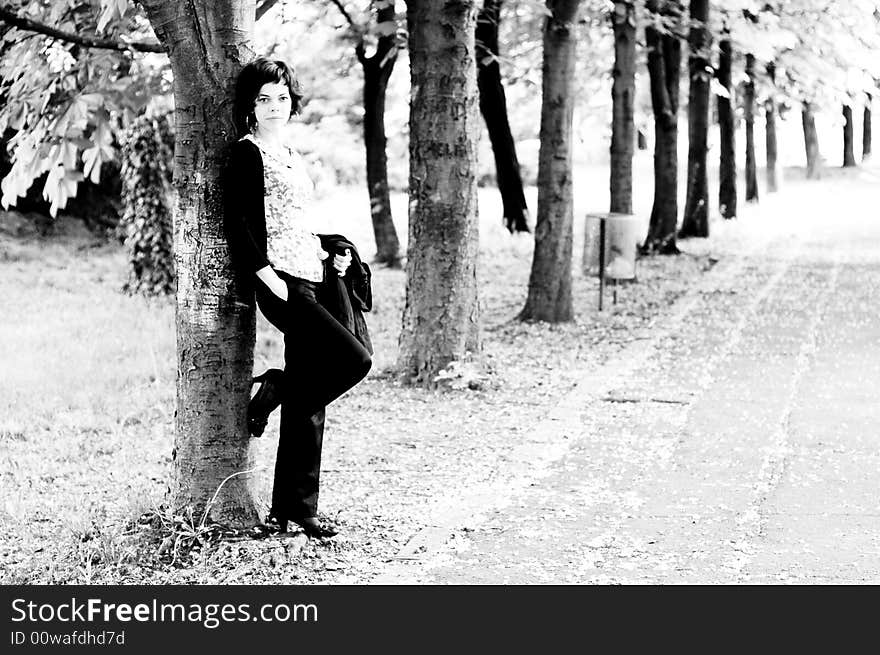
(10, 18)
(265, 6)
(386, 50)
(345, 13)
(360, 47)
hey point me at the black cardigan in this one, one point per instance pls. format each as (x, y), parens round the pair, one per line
(346, 298)
(244, 208)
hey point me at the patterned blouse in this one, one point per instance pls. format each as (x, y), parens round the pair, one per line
(289, 191)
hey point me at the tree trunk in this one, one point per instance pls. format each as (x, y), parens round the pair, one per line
(207, 44)
(549, 296)
(866, 129)
(770, 131)
(849, 157)
(377, 71)
(441, 316)
(696, 211)
(493, 106)
(749, 111)
(623, 99)
(641, 140)
(811, 142)
(727, 127)
(664, 69)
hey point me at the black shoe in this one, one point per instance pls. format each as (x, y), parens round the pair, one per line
(265, 401)
(315, 528)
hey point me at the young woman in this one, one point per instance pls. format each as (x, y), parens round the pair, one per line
(267, 191)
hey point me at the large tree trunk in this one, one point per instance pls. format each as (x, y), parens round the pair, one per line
(770, 131)
(727, 127)
(493, 106)
(207, 44)
(749, 111)
(849, 156)
(866, 129)
(696, 210)
(664, 69)
(623, 101)
(811, 142)
(441, 316)
(377, 71)
(549, 297)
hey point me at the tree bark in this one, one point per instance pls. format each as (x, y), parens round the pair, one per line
(849, 156)
(866, 129)
(441, 316)
(727, 126)
(493, 106)
(623, 92)
(377, 72)
(549, 295)
(749, 111)
(664, 69)
(696, 211)
(770, 131)
(207, 43)
(811, 142)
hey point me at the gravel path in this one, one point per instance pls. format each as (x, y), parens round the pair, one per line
(738, 444)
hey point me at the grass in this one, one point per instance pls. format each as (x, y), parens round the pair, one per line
(87, 403)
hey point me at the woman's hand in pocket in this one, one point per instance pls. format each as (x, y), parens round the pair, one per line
(279, 288)
(276, 285)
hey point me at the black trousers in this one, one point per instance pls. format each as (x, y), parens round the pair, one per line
(322, 360)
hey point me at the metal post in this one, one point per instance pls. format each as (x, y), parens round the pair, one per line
(601, 260)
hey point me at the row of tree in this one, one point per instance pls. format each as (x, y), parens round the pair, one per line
(452, 78)
(83, 121)
(806, 53)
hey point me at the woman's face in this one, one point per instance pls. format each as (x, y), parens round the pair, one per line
(272, 106)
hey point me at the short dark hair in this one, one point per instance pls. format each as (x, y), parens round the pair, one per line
(251, 79)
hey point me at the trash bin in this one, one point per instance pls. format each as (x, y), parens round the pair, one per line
(622, 234)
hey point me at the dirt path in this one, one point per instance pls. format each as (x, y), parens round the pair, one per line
(738, 444)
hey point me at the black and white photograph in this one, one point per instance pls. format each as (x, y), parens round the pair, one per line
(436, 293)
